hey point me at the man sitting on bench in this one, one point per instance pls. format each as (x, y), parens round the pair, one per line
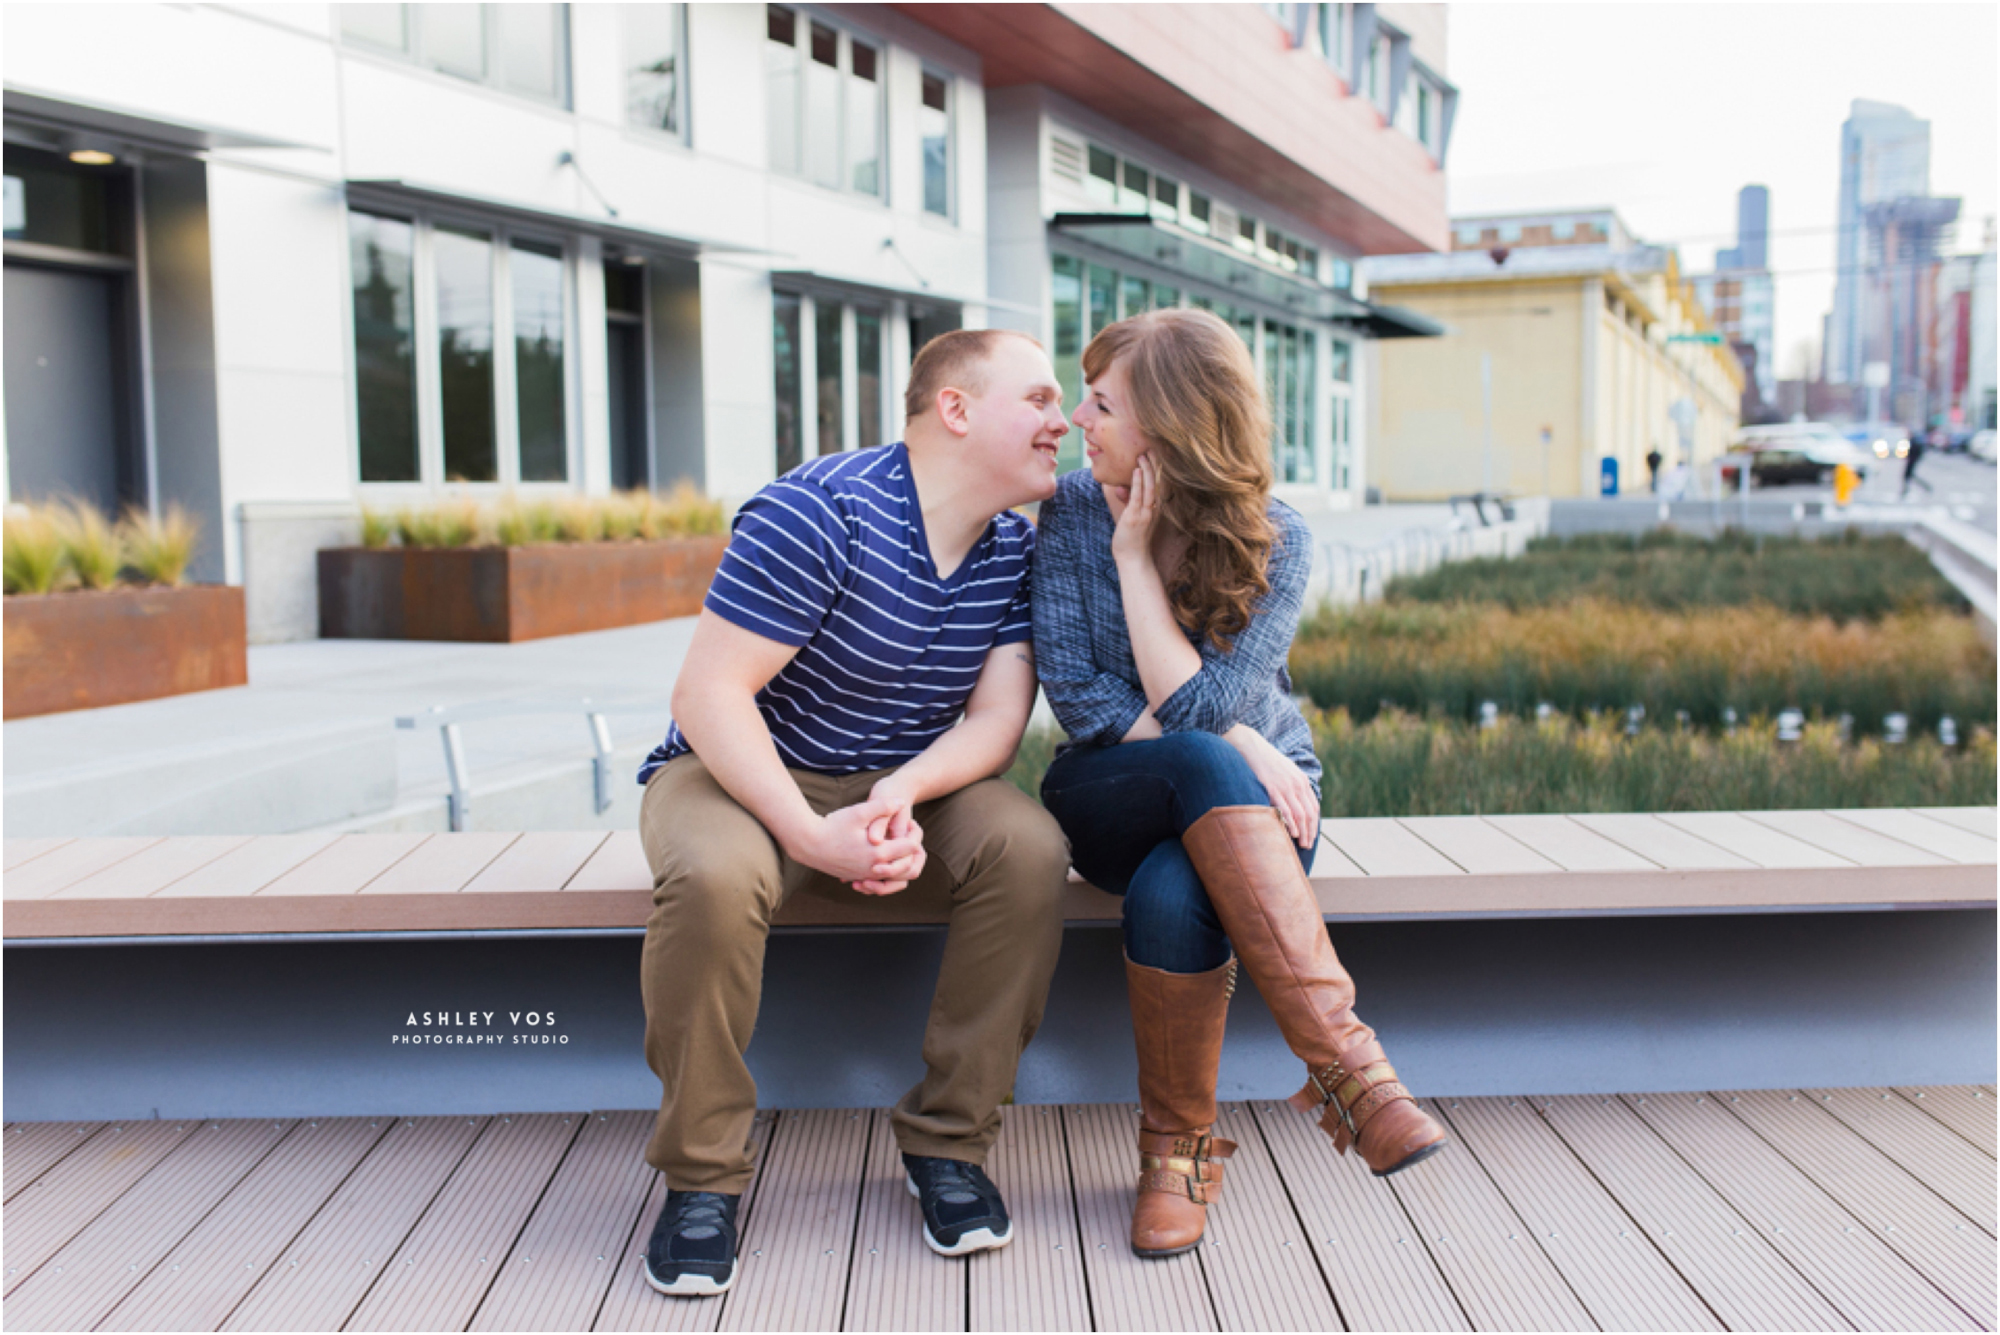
(860, 675)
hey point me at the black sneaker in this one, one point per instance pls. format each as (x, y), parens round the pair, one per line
(692, 1253)
(962, 1208)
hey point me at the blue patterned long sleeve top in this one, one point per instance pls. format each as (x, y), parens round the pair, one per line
(1083, 653)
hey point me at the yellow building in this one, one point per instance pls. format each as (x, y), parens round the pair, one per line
(1567, 343)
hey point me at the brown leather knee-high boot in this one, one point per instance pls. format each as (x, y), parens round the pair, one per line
(1177, 1022)
(1251, 870)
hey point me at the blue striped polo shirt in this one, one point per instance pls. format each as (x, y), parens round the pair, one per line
(833, 558)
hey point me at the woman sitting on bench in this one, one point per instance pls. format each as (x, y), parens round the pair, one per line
(1167, 588)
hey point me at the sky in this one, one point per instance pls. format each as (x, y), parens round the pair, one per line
(1665, 111)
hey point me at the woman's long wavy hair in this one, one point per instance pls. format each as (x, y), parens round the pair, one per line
(1195, 396)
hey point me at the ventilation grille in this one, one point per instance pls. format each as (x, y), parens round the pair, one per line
(1222, 222)
(1066, 159)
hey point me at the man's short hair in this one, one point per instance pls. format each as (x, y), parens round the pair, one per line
(954, 360)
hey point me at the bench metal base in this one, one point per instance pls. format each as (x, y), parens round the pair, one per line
(1499, 1007)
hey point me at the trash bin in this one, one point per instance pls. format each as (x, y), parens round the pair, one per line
(1607, 476)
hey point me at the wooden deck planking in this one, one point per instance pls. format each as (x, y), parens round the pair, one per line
(1861, 846)
(1610, 1263)
(1931, 1236)
(1753, 841)
(561, 1266)
(633, 1304)
(1874, 1288)
(119, 1248)
(250, 868)
(197, 1284)
(1570, 846)
(1737, 1274)
(792, 1268)
(1933, 836)
(1478, 846)
(540, 860)
(70, 863)
(1655, 840)
(57, 1205)
(1939, 1157)
(150, 870)
(1036, 1283)
(1493, 1261)
(1984, 821)
(318, 1281)
(1964, 1108)
(14, 852)
(345, 865)
(1383, 1277)
(618, 864)
(1126, 1293)
(35, 1147)
(1262, 1274)
(896, 1281)
(1381, 846)
(441, 866)
(438, 1275)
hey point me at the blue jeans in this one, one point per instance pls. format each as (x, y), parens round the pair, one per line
(1124, 809)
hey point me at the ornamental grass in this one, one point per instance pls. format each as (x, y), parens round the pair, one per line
(638, 515)
(1591, 655)
(159, 548)
(1852, 576)
(1397, 764)
(34, 559)
(65, 544)
(91, 545)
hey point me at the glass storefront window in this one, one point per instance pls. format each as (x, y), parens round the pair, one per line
(538, 361)
(1103, 299)
(868, 377)
(785, 340)
(1138, 295)
(829, 399)
(383, 267)
(1067, 296)
(464, 264)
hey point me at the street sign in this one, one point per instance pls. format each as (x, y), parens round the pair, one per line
(1713, 340)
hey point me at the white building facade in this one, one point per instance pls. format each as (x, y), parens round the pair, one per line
(277, 263)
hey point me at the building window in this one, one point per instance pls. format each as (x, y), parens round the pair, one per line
(1166, 199)
(1197, 213)
(1246, 234)
(836, 350)
(1424, 114)
(1102, 183)
(826, 106)
(655, 67)
(501, 406)
(934, 124)
(1136, 190)
(1335, 23)
(519, 48)
(790, 380)
(383, 265)
(1289, 387)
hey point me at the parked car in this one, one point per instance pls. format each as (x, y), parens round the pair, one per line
(1774, 467)
(1820, 442)
(1981, 445)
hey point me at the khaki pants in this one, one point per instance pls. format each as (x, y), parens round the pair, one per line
(995, 858)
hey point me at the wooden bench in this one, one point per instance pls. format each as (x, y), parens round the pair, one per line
(1371, 869)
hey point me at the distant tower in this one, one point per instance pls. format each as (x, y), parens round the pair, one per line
(1885, 154)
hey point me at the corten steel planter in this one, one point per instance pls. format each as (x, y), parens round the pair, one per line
(89, 648)
(501, 595)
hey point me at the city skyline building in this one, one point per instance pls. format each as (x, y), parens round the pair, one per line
(1885, 154)
(1741, 298)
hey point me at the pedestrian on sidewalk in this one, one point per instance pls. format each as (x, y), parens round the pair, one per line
(1910, 464)
(1653, 462)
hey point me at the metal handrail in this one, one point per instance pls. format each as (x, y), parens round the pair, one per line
(447, 718)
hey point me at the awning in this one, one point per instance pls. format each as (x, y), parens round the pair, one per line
(389, 193)
(1391, 322)
(1219, 264)
(63, 117)
(836, 285)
